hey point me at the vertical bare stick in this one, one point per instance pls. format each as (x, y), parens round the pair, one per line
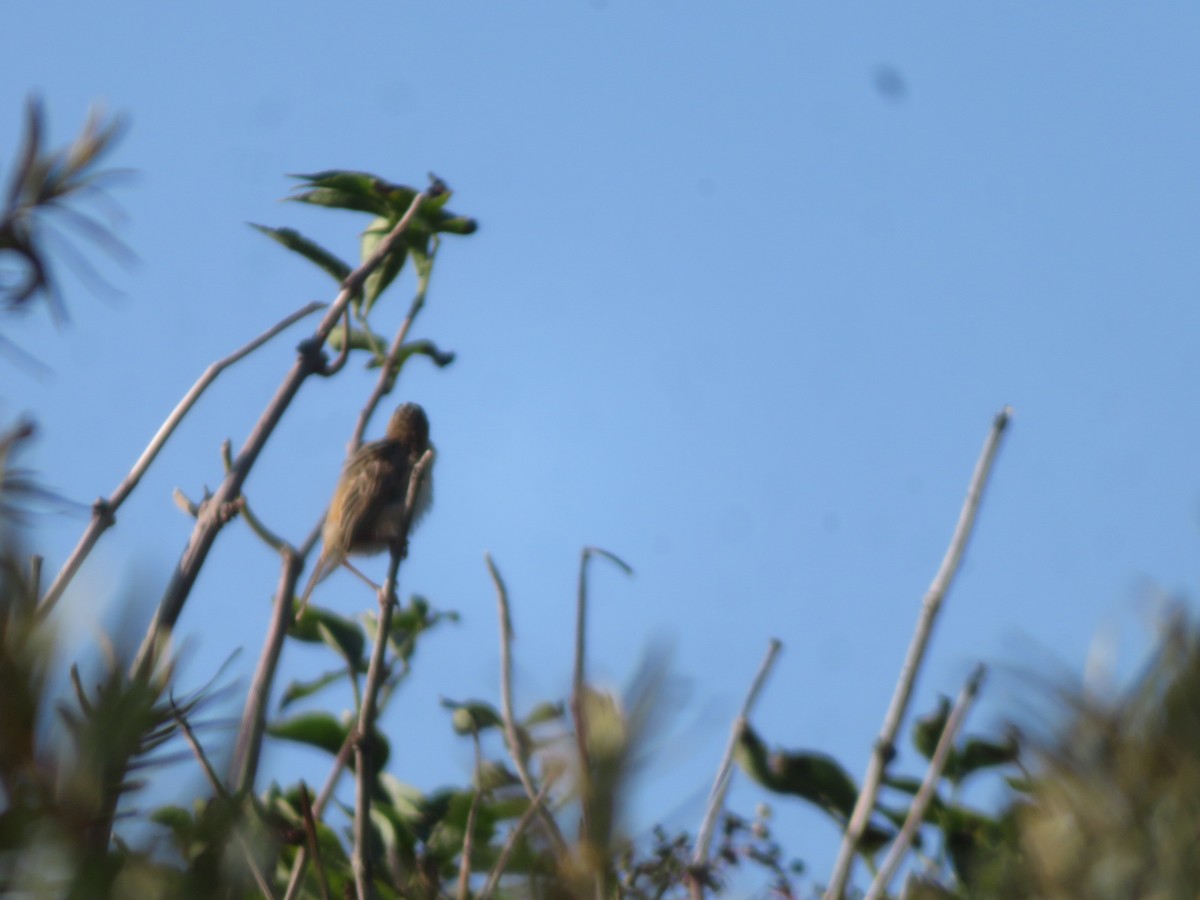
(35, 578)
(515, 750)
(388, 369)
(211, 774)
(318, 809)
(364, 745)
(254, 717)
(314, 844)
(211, 518)
(920, 803)
(885, 744)
(510, 844)
(578, 712)
(104, 510)
(716, 797)
(464, 867)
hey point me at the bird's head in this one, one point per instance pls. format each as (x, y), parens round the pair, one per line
(409, 425)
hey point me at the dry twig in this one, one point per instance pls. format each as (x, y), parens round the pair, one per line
(920, 803)
(885, 744)
(511, 737)
(104, 510)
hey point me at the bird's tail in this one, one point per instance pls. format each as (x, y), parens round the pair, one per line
(323, 567)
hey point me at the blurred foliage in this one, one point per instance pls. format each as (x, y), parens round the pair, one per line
(1104, 805)
(49, 186)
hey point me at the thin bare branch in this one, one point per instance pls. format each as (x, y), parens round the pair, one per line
(211, 774)
(511, 737)
(464, 867)
(885, 744)
(716, 797)
(581, 610)
(104, 513)
(536, 805)
(318, 810)
(254, 717)
(314, 847)
(268, 537)
(344, 354)
(365, 731)
(35, 577)
(577, 681)
(920, 803)
(387, 372)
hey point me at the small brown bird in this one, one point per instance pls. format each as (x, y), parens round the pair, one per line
(366, 514)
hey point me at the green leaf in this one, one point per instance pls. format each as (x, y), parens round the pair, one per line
(310, 250)
(816, 777)
(446, 838)
(357, 191)
(456, 225)
(904, 783)
(320, 625)
(928, 729)
(542, 713)
(317, 729)
(387, 271)
(298, 690)
(473, 716)
(323, 731)
(181, 822)
(440, 358)
(977, 755)
(362, 339)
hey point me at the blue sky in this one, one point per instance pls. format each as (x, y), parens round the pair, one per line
(734, 313)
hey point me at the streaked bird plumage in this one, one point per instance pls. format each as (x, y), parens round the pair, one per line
(366, 514)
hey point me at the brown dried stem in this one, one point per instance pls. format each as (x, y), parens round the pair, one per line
(387, 372)
(464, 866)
(313, 846)
(920, 803)
(578, 712)
(885, 744)
(716, 797)
(511, 736)
(510, 843)
(211, 774)
(365, 730)
(104, 510)
(254, 718)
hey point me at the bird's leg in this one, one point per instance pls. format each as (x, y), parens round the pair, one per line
(349, 565)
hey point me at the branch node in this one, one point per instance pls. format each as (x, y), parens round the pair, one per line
(104, 512)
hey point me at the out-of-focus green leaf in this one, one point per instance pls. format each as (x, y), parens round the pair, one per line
(473, 716)
(320, 625)
(905, 783)
(179, 820)
(816, 777)
(362, 339)
(386, 273)
(542, 713)
(928, 729)
(446, 838)
(323, 731)
(978, 755)
(456, 225)
(339, 189)
(317, 729)
(440, 358)
(310, 250)
(298, 690)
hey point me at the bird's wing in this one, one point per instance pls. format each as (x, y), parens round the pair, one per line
(372, 481)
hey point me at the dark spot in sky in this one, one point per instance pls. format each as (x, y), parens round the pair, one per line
(890, 83)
